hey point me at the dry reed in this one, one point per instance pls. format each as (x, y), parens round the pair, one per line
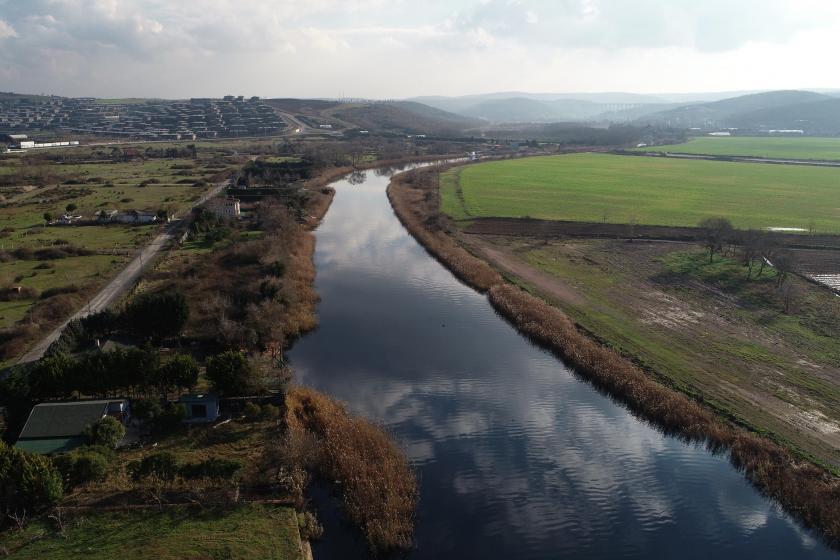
(378, 487)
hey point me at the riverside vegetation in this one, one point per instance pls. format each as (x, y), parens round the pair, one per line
(237, 295)
(808, 491)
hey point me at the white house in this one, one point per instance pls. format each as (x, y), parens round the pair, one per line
(227, 208)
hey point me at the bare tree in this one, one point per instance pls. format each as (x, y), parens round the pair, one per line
(784, 263)
(716, 232)
(768, 247)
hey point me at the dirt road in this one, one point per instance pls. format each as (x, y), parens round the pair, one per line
(123, 281)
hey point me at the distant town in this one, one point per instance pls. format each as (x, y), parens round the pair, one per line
(231, 116)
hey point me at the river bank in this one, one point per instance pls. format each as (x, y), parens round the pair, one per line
(806, 491)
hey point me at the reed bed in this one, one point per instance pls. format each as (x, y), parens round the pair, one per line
(806, 491)
(414, 198)
(378, 487)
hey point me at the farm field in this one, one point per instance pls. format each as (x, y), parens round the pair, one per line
(703, 329)
(765, 147)
(656, 191)
(246, 532)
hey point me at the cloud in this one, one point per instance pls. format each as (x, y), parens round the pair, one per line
(6, 30)
(393, 48)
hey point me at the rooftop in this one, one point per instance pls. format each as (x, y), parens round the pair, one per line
(64, 419)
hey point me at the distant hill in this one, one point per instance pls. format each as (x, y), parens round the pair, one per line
(728, 112)
(405, 117)
(515, 107)
(817, 117)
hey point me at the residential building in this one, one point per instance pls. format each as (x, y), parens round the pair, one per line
(227, 208)
(57, 427)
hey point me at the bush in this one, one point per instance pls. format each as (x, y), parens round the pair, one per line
(310, 528)
(108, 432)
(57, 291)
(27, 481)
(230, 373)
(170, 419)
(146, 410)
(224, 469)
(17, 293)
(162, 465)
(270, 412)
(253, 411)
(81, 466)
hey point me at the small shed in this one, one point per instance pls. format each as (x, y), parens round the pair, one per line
(201, 409)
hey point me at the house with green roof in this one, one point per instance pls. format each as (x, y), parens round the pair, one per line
(56, 427)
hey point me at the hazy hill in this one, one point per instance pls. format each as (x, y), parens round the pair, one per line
(727, 112)
(405, 117)
(816, 117)
(538, 107)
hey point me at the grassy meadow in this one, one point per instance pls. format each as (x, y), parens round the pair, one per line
(655, 191)
(246, 532)
(766, 147)
(91, 178)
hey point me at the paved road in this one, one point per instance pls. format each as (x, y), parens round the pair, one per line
(123, 281)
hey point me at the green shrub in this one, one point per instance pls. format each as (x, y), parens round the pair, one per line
(230, 373)
(214, 467)
(27, 481)
(146, 410)
(108, 432)
(170, 419)
(162, 465)
(253, 411)
(270, 412)
(82, 465)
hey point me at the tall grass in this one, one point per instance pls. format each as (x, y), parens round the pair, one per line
(378, 487)
(806, 491)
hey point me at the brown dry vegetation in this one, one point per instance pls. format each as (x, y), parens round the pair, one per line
(378, 487)
(234, 297)
(415, 199)
(808, 492)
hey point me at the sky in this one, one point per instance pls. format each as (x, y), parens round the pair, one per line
(395, 49)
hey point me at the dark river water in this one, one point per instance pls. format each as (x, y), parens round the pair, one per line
(516, 457)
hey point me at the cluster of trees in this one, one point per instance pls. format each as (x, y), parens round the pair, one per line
(261, 172)
(152, 317)
(130, 371)
(758, 248)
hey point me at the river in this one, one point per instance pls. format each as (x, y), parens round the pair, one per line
(516, 457)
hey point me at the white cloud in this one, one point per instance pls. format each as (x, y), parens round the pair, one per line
(6, 30)
(382, 48)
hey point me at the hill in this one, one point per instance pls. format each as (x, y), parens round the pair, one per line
(727, 112)
(819, 117)
(404, 117)
(543, 107)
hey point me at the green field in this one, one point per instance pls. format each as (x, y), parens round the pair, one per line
(657, 191)
(246, 532)
(766, 147)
